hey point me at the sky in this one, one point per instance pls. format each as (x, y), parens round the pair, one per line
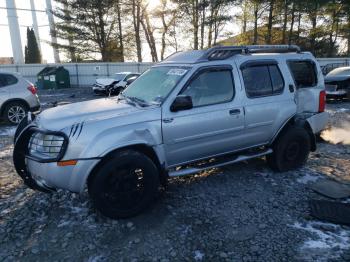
(25, 20)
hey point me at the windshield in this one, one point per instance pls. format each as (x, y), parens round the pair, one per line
(155, 84)
(119, 77)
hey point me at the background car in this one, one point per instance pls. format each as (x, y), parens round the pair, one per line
(17, 97)
(114, 85)
(338, 83)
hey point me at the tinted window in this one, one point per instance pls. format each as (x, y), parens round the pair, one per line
(276, 78)
(6, 80)
(211, 87)
(304, 73)
(262, 80)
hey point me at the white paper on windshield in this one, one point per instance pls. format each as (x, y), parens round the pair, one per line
(177, 72)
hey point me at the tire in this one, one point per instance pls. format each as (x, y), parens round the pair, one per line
(290, 150)
(15, 112)
(124, 185)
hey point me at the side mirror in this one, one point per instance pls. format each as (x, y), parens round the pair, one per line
(181, 102)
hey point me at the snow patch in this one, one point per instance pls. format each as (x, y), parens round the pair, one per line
(325, 237)
(8, 131)
(198, 255)
(6, 152)
(307, 178)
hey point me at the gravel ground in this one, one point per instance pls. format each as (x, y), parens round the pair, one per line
(243, 212)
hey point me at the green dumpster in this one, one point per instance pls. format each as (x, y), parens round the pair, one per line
(53, 77)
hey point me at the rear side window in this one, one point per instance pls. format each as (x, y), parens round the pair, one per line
(304, 73)
(262, 80)
(7, 80)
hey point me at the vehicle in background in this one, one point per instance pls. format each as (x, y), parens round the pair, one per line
(17, 97)
(114, 85)
(338, 83)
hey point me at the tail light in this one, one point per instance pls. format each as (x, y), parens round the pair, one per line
(32, 89)
(322, 101)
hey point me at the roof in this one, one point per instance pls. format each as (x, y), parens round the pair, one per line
(226, 52)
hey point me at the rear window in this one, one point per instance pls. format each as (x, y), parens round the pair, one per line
(304, 73)
(7, 79)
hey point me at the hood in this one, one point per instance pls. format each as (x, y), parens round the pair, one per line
(58, 118)
(106, 81)
(336, 78)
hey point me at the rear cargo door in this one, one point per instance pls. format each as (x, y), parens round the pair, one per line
(308, 81)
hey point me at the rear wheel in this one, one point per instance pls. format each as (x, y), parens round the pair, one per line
(124, 185)
(15, 112)
(290, 150)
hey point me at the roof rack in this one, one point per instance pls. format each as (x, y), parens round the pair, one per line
(224, 52)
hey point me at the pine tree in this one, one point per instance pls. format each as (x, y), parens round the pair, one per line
(32, 52)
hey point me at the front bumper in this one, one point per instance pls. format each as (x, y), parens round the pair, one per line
(47, 176)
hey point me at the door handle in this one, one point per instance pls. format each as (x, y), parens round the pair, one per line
(235, 111)
(168, 120)
(291, 88)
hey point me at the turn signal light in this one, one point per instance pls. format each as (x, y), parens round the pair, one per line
(67, 163)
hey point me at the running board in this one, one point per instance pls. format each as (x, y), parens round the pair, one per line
(239, 158)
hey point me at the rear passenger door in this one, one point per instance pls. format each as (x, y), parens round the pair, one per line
(269, 101)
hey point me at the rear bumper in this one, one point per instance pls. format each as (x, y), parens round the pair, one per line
(318, 122)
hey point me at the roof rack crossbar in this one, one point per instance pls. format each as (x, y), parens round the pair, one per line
(224, 52)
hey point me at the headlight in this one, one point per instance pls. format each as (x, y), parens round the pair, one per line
(46, 146)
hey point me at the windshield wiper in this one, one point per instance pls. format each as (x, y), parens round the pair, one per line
(137, 100)
(133, 100)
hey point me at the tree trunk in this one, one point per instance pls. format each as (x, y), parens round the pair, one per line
(203, 23)
(290, 37)
(245, 18)
(285, 20)
(195, 20)
(270, 21)
(299, 27)
(256, 9)
(136, 13)
(149, 36)
(120, 29)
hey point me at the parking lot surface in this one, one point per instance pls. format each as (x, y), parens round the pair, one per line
(242, 212)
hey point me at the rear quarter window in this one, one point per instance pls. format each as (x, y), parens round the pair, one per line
(7, 80)
(304, 73)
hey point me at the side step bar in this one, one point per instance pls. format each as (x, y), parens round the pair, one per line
(239, 158)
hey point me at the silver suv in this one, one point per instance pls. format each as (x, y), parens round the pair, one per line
(17, 97)
(193, 111)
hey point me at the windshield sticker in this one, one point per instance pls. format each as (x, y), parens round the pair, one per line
(177, 72)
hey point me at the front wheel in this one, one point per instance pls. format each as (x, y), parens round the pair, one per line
(124, 185)
(290, 150)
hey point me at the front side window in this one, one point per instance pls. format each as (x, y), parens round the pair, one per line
(155, 84)
(211, 87)
(262, 80)
(304, 73)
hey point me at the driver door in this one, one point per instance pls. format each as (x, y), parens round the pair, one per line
(215, 124)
